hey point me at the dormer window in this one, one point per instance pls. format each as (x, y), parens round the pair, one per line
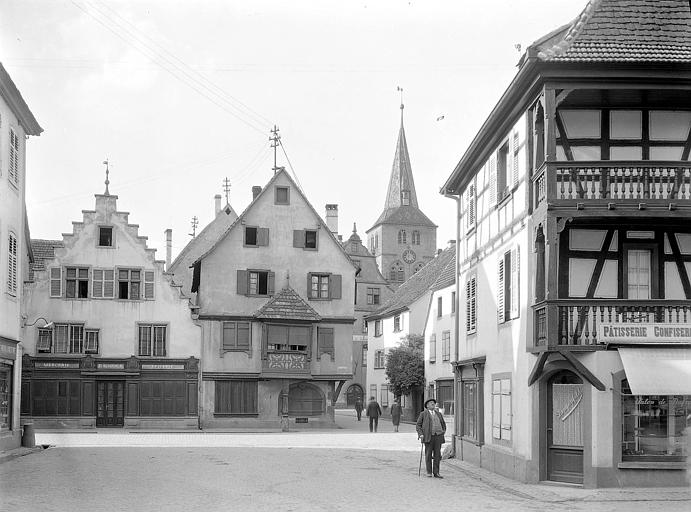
(105, 236)
(405, 197)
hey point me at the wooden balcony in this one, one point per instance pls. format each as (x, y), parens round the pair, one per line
(573, 324)
(286, 362)
(611, 184)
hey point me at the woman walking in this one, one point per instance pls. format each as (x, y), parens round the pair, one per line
(396, 413)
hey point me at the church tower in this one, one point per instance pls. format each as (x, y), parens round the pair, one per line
(403, 238)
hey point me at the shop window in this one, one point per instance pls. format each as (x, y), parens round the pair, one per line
(379, 359)
(236, 336)
(152, 340)
(5, 397)
(501, 410)
(55, 397)
(653, 426)
(163, 398)
(470, 410)
(236, 397)
(76, 283)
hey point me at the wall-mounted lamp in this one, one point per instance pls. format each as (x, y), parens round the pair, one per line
(49, 325)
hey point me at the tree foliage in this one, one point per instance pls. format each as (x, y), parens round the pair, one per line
(405, 366)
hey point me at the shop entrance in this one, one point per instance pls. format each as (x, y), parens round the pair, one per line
(565, 428)
(110, 403)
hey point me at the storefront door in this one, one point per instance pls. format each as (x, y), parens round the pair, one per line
(110, 405)
(565, 428)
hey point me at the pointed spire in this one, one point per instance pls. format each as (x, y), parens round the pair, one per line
(106, 193)
(401, 190)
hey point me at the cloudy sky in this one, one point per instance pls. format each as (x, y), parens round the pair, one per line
(179, 95)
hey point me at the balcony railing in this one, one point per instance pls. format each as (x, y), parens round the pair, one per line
(575, 322)
(613, 181)
(286, 361)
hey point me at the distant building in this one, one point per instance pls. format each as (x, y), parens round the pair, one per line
(114, 344)
(574, 360)
(275, 298)
(404, 314)
(402, 239)
(371, 291)
(16, 124)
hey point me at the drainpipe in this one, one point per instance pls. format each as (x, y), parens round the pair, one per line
(456, 320)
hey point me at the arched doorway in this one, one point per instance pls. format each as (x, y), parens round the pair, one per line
(565, 412)
(304, 399)
(354, 392)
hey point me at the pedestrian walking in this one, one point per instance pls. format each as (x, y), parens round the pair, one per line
(358, 407)
(373, 411)
(396, 413)
(431, 428)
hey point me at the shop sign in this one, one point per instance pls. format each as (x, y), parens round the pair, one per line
(54, 364)
(359, 337)
(163, 366)
(110, 366)
(635, 333)
(8, 349)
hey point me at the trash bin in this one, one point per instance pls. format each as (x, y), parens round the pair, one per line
(28, 436)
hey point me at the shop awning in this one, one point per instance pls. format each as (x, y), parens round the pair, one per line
(657, 371)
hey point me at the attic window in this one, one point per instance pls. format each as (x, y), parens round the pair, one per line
(228, 210)
(405, 197)
(310, 239)
(282, 195)
(105, 236)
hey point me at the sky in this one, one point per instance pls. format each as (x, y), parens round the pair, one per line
(180, 95)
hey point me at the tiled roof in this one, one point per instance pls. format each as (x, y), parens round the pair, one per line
(418, 284)
(624, 31)
(287, 305)
(447, 277)
(44, 250)
(409, 215)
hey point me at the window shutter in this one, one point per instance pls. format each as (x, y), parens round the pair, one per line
(514, 283)
(493, 180)
(12, 265)
(335, 286)
(309, 286)
(243, 335)
(56, 282)
(263, 236)
(471, 206)
(229, 334)
(298, 238)
(467, 307)
(500, 289)
(271, 283)
(108, 284)
(514, 160)
(325, 340)
(97, 287)
(148, 284)
(242, 282)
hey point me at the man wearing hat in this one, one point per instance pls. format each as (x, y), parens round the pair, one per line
(431, 428)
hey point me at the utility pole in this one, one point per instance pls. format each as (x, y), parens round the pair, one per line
(226, 188)
(275, 141)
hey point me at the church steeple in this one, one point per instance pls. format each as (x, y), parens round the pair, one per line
(401, 190)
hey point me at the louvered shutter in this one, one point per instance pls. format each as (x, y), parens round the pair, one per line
(471, 206)
(309, 286)
(298, 238)
(242, 282)
(263, 236)
(335, 286)
(515, 292)
(500, 289)
(271, 283)
(148, 284)
(514, 159)
(493, 180)
(473, 310)
(467, 307)
(228, 341)
(243, 335)
(97, 287)
(108, 284)
(12, 265)
(56, 282)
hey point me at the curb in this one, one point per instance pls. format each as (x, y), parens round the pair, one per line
(19, 452)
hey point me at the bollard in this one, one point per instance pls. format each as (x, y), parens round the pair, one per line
(28, 436)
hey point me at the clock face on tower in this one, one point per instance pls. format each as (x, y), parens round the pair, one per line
(409, 256)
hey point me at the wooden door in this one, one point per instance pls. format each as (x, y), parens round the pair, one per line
(565, 428)
(110, 404)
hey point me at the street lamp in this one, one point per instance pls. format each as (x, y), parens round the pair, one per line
(49, 325)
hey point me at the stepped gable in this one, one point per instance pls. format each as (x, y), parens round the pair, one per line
(623, 31)
(287, 305)
(418, 284)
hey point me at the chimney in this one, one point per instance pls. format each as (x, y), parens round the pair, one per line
(217, 204)
(169, 247)
(255, 192)
(332, 218)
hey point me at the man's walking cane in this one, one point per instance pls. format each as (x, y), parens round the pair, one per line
(419, 469)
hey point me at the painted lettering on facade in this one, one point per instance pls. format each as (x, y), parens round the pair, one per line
(644, 333)
(163, 366)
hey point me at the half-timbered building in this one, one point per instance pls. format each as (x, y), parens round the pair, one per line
(574, 199)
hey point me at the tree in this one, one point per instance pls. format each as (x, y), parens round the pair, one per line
(405, 365)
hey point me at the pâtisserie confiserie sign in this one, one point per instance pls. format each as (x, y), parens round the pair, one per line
(638, 333)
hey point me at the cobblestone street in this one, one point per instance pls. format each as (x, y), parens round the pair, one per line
(339, 470)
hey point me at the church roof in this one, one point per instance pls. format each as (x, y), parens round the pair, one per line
(417, 285)
(623, 31)
(395, 211)
(287, 305)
